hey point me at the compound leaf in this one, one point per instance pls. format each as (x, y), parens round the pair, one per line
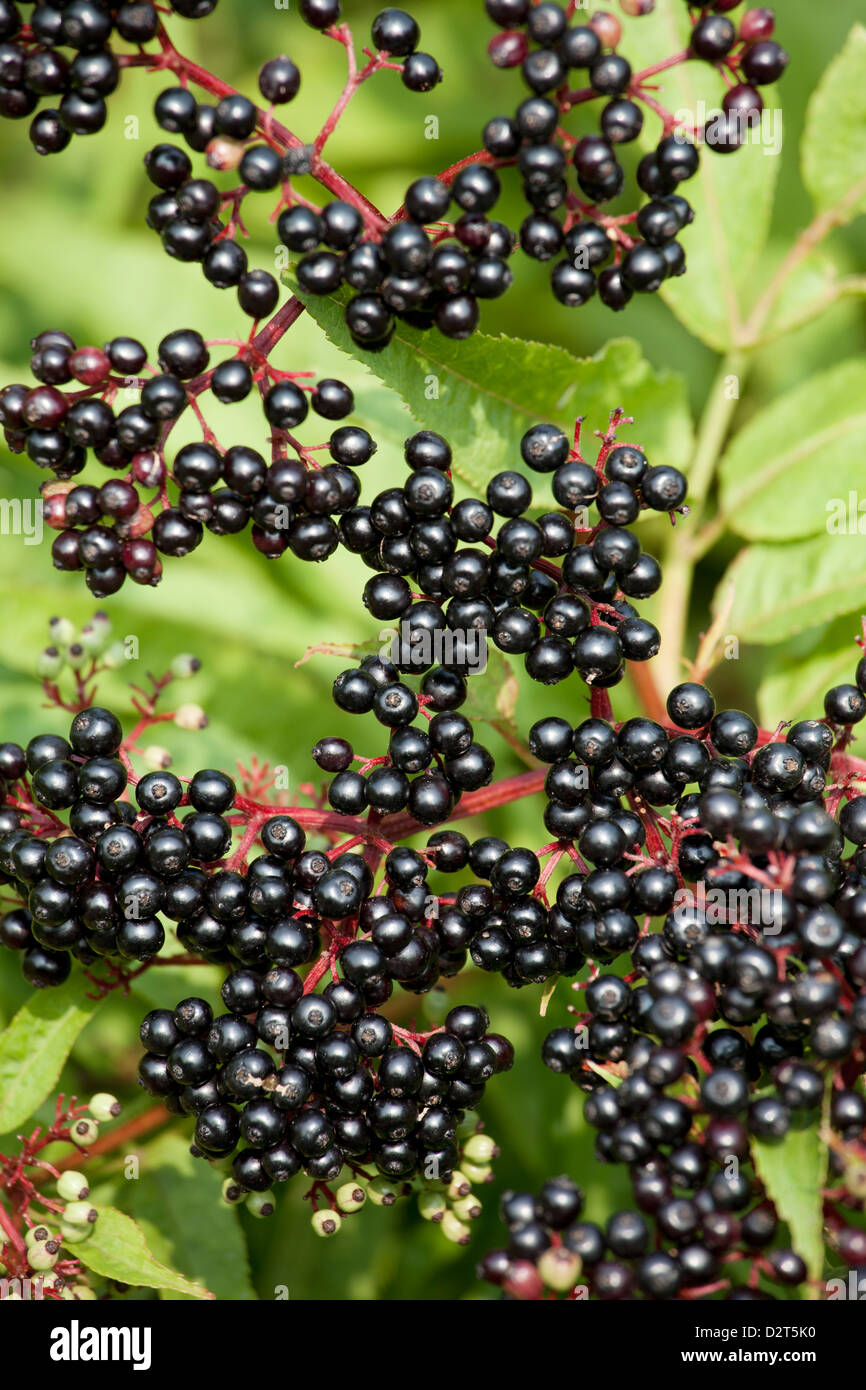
(34, 1048)
(833, 150)
(777, 478)
(780, 590)
(117, 1249)
(792, 1171)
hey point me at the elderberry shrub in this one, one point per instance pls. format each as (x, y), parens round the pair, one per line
(442, 255)
(158, 501)
(288, 1080)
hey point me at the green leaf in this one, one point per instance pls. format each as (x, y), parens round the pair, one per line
(117, 1249)
(833, 149)
(783, 472)
(730, 191)
(34, 1047)
(483, 394)
(177, 1200)
(780, 590)
(492, 697)
(802, 670)
(793, 1174)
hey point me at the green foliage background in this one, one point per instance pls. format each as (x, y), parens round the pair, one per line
(77, 256)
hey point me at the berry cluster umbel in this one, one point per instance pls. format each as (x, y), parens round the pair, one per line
(632, 251)
(317, 1082)
(64, 54)
(156, 505)
(417, 536)
(93, 885)
(442, 254)
(768, 823)
(741, 1018)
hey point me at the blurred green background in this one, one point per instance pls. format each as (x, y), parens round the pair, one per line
(76, 255)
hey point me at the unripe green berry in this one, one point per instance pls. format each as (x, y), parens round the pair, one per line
(96, 635)
(184, 666)
(72, 1186)
(49, 664)
(36, 1235)
(383, 1192)
(74, 1235)
(454, 1230)
(559, 1268)
(75, 656)
(326, 1223)
(104, 1106)
(232, 1194)
(459, 1186)
(432, 1184)
(114, 656)
(156, 758)
(467, 1208)
(40, 1257)
(261, 1204)
(84, 1132)
(432, 1205)
(62, 631)
(191, 717)
(480, 1148)
(477, 1172)
(80, 1214)
(82, 1293)
(351, 1197)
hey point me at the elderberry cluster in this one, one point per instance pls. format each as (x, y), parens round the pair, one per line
(316, 1081)
(235, 136)
(100, 885)
(689, 1224)
(438, 276)
(478, 579)
(601, 253)
(560, 619)
(771, 939)
(63, 52)
(442, 254)
(123, 528)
